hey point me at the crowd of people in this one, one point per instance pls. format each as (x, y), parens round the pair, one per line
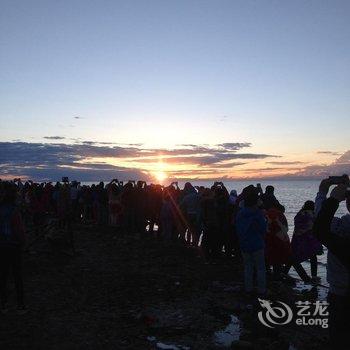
(250, 227)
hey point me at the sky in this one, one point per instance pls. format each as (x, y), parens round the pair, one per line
(174, 89)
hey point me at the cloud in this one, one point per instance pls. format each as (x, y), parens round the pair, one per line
(329, 152)
(284, 163)
(132, 144)
(255, 170)
(205, 160)
(52, 160)
(344, 159)
(54, 137)
(234, 146)
(228, 165)
(338, 167)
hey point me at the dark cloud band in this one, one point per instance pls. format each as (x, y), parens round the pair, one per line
(52, 160)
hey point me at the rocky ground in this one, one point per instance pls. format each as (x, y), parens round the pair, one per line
(129, 293)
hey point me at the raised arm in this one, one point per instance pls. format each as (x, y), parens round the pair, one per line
(338, 245)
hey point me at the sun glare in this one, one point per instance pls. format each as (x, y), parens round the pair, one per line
(160, 176)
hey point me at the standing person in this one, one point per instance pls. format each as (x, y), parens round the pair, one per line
(95, 204)
(103, 204)
(251, 229)
(269, 199)
(305, 245)
(190, 207)
(128, 202)
(64, 207)
(166, 218)
(334, 233)
(278, 248)
(115, 208)
(209, 221)
(86, 198)
(34, 207)
(140, 207)
(12, 239)
(74, 192)
(64, 210)
(180, 225)
(154, 203)
(224, 235)
(232, 212)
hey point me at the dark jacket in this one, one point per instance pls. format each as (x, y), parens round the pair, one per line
(251, 228)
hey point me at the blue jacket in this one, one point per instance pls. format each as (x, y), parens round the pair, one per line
(251, 228)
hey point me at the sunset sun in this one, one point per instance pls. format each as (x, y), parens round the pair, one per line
(160, 175)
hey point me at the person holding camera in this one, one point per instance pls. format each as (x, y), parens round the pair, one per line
(334, 233)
